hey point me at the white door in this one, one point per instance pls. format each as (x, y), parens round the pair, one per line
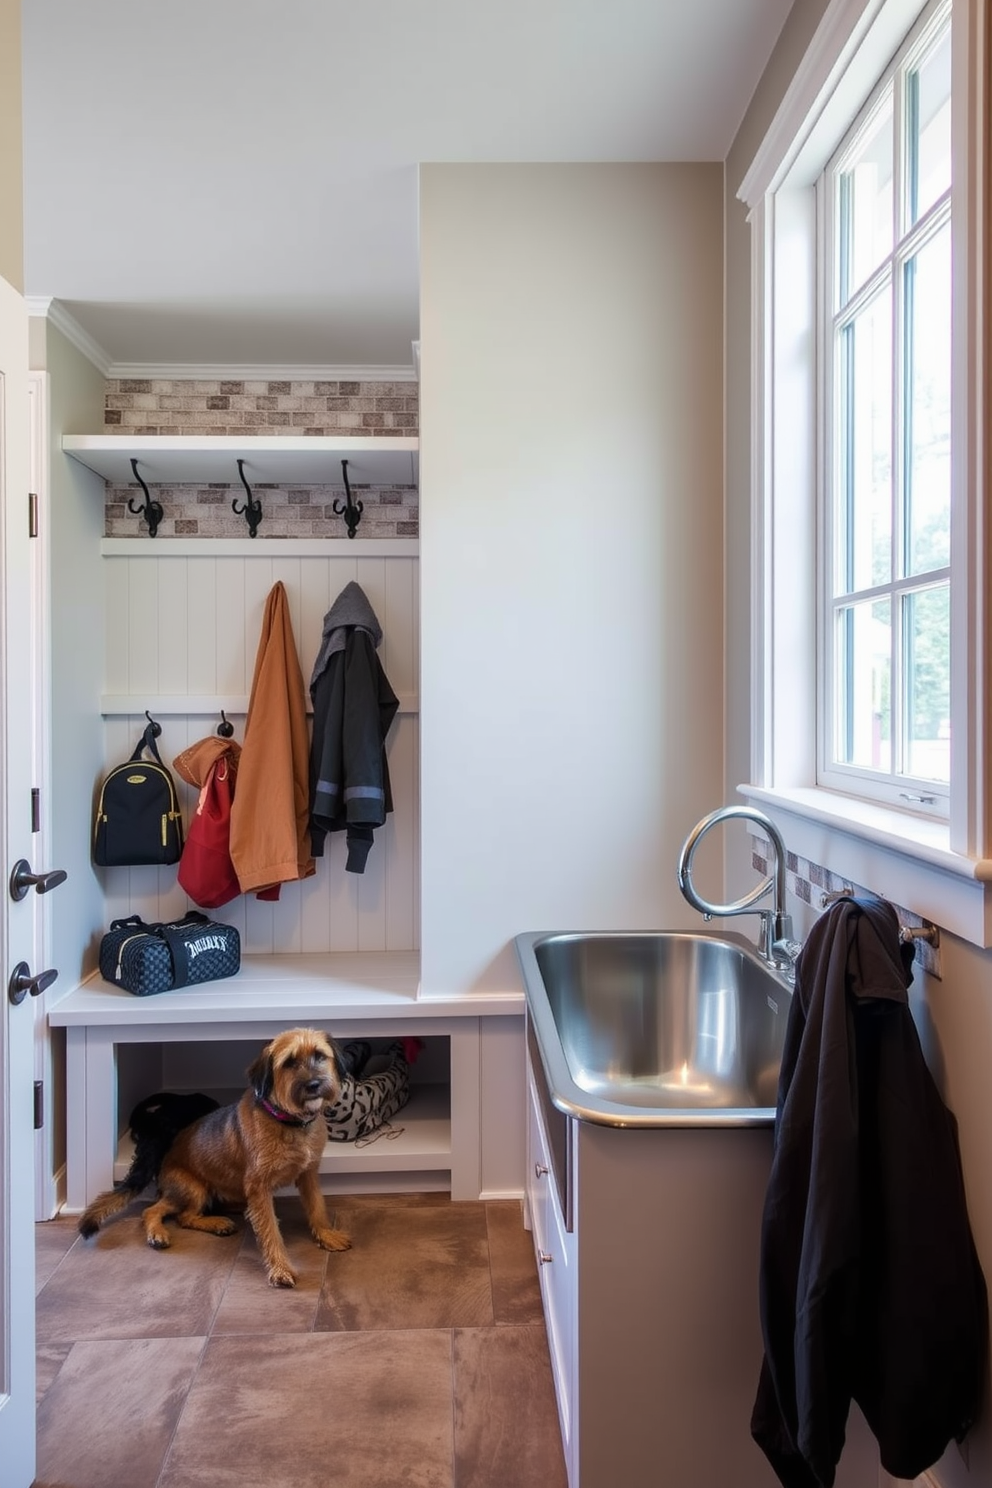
(17, 918)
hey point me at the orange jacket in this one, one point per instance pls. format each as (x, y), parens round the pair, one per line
(270, 840)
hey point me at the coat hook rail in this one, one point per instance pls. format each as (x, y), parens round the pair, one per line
(350, 510)
(252, 509)
(151, 512)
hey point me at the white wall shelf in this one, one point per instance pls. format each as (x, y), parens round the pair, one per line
(303, 460)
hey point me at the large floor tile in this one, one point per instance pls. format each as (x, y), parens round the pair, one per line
(53, 1238)
(410, 1266)
(360, 1411)
(108, 1418)
(116, 1286)
(516, 1289)
(251, 1305)
(506, 1425)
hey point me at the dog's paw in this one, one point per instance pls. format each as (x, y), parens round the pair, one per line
(332, 1239)
(159, 1240)
(282, 1276)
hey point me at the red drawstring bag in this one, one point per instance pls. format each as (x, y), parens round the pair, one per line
(205, 868)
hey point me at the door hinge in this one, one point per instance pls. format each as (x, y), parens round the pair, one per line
(35, 809)
(39, 1104)
(32, 514)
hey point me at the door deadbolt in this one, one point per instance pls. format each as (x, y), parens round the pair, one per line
(22, 879)
(22, 982)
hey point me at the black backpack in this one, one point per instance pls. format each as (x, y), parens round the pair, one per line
(138, 820)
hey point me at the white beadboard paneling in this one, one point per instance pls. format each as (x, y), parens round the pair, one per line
(201, 619)
(117, 627)
(205, 637)
(173, 626)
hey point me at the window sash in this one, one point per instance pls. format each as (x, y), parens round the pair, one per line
(848, 310)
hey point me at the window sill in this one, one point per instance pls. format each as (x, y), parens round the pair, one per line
(902, 858)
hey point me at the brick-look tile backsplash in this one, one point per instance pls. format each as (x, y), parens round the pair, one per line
(300, 408)
(287, 511)
(193, 406)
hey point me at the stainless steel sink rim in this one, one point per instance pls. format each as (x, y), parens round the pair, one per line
(615, 1101)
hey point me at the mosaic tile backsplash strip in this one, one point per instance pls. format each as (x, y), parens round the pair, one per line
(810, 882)
(263, 408)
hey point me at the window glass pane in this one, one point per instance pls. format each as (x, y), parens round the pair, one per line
(927, 440)
(864, 695)
(864, 556)
(928, 108)
(926, 639)
(865, 204)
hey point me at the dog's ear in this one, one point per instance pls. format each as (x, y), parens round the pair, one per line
(337, 1059)
(261, 1075)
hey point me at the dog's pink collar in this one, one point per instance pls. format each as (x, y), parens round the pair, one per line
(284, 1116)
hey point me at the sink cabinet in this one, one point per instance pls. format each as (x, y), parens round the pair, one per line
(647, 1250)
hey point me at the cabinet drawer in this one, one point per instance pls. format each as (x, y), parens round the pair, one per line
(554, 1250)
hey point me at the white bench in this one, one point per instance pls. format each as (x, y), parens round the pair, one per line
(115, 1047)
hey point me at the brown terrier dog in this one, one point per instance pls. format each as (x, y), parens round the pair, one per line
(273, 1136)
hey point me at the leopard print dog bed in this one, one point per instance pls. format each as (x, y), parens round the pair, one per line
(374, 1088)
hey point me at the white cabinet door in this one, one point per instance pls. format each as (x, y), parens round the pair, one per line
(17, 919)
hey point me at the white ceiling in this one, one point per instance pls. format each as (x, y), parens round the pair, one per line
(234, 182)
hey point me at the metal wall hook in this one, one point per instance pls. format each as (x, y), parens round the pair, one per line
(224, 728)
(154, 729)
(350, 510)
(252, 509)
(151, 512)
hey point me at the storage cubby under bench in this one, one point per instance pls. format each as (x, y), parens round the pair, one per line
(120, 1048)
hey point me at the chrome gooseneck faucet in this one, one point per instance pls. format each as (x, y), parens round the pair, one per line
(776, 944)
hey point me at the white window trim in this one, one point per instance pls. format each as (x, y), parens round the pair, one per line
(940, 870)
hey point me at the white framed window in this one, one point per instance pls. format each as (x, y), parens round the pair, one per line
(870, 383)
(884, 236)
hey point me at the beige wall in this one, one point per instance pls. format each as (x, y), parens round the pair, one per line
(571, 512)
(954, 1015)
(11, 174)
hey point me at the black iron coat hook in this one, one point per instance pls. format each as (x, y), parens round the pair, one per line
(350, 510)
(252, 509)
(151, 512)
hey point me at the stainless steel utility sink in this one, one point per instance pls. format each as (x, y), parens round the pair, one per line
(656, 1029)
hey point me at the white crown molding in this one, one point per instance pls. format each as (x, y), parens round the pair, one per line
(218, 372)
(844, 27)
(46, 308)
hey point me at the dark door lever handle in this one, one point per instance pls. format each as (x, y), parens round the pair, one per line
(22, 879)
(22, 982)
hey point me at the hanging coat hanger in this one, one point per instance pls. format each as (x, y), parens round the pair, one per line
(151, 512)
(252, 509)
(350, 510)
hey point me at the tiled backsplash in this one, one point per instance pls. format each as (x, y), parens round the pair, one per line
(300, 408)
(809, 882)
(194, 406)
(287, 511)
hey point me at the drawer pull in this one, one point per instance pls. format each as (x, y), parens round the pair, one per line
(545, 1257)
(540, 1170)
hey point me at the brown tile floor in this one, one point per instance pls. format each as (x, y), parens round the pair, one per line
(418, 1359)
